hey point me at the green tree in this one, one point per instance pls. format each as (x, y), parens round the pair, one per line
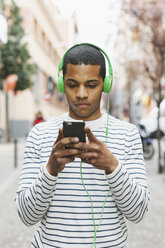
(15, 55)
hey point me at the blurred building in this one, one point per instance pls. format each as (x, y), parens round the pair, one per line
(48, 36)
(134, 51)
(127, 57)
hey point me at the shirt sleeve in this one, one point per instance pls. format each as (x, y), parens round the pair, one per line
(128, 183)
(36, 185)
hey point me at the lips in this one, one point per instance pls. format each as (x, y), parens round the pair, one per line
(82, 105)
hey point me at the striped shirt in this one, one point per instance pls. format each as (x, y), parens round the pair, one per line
(62, 206)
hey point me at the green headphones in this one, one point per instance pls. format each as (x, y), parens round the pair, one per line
(107, 80)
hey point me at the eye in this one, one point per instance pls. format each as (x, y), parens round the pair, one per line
(92, 86)
(71, 85)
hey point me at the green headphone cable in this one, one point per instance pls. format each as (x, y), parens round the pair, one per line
(107, 120)
(93, 218)
(101, 218)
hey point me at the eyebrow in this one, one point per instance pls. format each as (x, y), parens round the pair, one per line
(92, 80)
(88, 81)
(71, 79)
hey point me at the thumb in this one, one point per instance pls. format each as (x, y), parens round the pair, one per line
(60, 136)
(90, 135)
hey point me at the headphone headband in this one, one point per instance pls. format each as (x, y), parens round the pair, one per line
(108, 79)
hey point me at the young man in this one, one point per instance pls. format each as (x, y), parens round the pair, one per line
(89, 212)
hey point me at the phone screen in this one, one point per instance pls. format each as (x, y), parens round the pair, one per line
(74, 129)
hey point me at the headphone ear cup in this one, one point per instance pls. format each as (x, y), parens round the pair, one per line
(107, 83)
(60, 84)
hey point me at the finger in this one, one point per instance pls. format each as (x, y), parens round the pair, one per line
(88, 155)
(86, 147)
(67, 160)
(90, 135)
(68, 153)
(66, 141)
(60, 136)
(80, 146)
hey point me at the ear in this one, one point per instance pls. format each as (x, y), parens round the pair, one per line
(107, 84)
(60, 84)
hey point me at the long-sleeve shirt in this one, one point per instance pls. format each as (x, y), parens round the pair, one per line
(62, 206)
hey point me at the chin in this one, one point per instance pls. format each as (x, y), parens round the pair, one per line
(82, 114)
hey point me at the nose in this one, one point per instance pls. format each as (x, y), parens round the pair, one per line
(81, 92)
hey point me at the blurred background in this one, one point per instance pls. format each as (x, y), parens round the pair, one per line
(34, 35)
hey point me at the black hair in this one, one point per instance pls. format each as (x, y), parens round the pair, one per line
(85, 54)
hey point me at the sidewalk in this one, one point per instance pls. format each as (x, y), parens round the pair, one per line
(149, 233)
(13, 233)
(7, 163)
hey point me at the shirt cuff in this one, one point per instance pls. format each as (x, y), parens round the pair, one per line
(52, 178)
(115, 177)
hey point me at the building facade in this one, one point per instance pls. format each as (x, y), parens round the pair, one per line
(48, 36)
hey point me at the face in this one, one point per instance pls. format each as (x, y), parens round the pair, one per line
(83, 88)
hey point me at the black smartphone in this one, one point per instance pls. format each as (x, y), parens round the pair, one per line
(74, 129)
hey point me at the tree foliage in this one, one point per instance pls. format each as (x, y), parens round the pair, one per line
(15, 55)
(150, 15)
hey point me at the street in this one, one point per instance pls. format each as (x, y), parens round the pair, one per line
(149, 233)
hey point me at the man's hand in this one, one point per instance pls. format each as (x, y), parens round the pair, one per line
(61, 156)
(96, 153)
